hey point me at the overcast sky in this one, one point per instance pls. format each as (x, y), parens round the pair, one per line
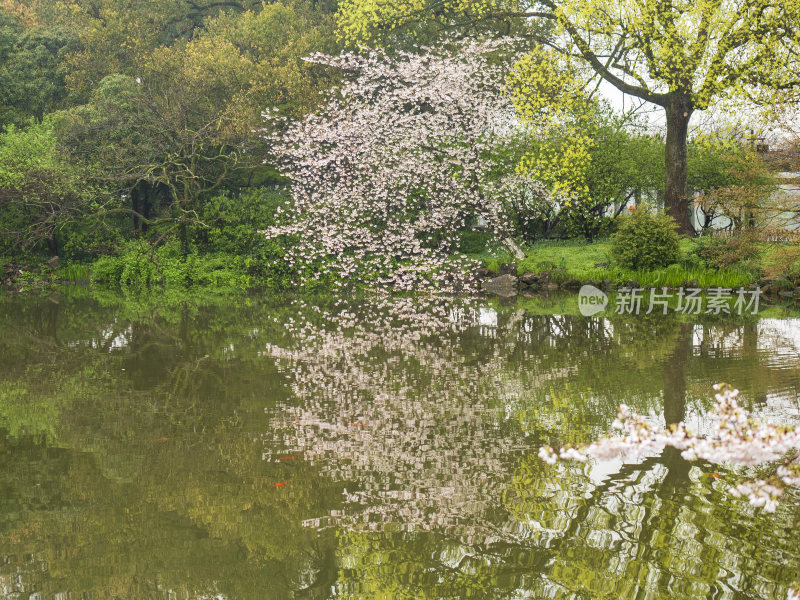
(655, 115)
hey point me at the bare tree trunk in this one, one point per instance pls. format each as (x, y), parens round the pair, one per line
(679, 112)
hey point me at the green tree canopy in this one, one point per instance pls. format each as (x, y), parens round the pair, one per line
(41, 187)
(32, 73)
(681, 56)
(182, 126)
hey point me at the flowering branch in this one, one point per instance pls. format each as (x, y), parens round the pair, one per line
(737, 437)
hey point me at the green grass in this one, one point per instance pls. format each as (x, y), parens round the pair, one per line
(577, 259)
(73, 272)
(574, 256)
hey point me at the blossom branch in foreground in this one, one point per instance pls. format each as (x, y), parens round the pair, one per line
(737, 438)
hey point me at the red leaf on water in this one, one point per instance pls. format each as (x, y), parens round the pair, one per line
(279, 484)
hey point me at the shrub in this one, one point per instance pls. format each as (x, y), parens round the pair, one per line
(645, 241)
(136, 266)
(725, 253)
(234, 222)
(740, 253)
(89, 239)
(783, 263)
(142, 266)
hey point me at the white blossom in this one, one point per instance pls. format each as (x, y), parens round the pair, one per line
(392, 166)
(737, 438)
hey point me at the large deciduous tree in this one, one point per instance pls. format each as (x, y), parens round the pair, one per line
(680, 55)
(182, 128)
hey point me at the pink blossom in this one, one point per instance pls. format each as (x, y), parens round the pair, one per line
(737, 438)
(397, 161)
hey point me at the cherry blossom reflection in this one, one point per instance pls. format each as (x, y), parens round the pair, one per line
(395, 403)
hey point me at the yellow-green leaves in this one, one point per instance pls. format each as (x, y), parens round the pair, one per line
(373, 21)
(548, 95)
(362, 20)
(704, 48)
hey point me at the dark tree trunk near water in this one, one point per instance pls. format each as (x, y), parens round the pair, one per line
(52, 245)
(679, 112)
(144, 197)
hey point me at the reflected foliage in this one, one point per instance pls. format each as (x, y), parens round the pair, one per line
(176, 446)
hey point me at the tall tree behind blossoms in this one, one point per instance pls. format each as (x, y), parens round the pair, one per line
(116, 36)
(683, 56)
(397, 162)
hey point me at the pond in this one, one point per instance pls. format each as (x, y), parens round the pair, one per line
(272, 447)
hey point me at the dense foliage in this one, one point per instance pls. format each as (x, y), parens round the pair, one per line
(134, 129)
(132, 121)
(645, 240)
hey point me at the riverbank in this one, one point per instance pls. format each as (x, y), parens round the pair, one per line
(146, 269)
(546, 266)
(570, 264)
(173, 299)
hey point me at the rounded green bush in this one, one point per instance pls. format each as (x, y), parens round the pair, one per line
(645, 241)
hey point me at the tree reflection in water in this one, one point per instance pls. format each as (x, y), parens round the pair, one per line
(143, 440)
(417, 406)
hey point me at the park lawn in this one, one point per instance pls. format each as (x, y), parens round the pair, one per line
(592, 262)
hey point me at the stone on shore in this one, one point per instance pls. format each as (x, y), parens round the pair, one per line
(502, 285)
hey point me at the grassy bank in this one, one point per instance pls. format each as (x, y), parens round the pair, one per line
(766, 264)
(144, 269)
(701, 263)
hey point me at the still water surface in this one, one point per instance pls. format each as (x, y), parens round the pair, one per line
(276, 448)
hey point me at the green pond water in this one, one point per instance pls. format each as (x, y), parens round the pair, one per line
(270, 447)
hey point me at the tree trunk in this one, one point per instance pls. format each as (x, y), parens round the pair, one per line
(136, 206)
(679, 112)
(52, 244)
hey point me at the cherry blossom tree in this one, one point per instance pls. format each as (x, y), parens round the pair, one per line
(401, 157)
